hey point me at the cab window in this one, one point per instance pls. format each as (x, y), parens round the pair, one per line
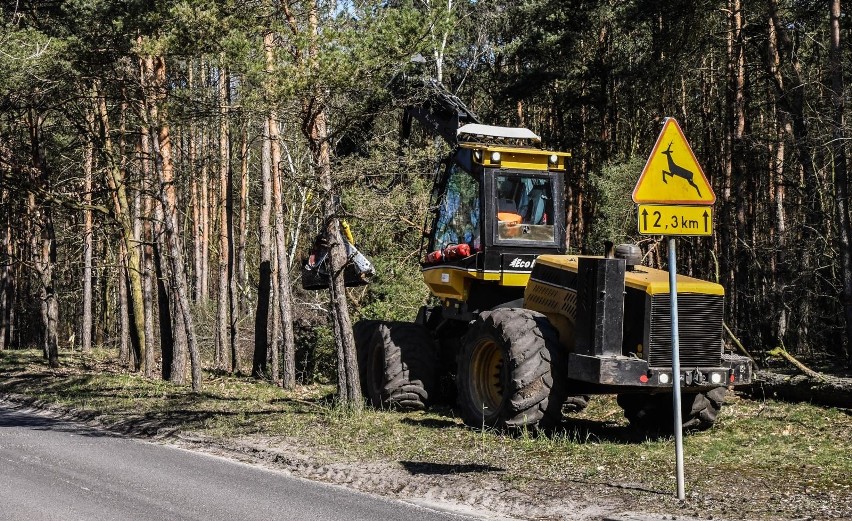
(524, 208)
(458, 212)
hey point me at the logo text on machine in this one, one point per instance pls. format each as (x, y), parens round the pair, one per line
(518, 262)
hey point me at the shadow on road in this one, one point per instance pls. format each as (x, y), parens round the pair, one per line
(25, 418)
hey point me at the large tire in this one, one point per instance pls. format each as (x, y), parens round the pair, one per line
(510, 371)
(363, 332)
(575, 403)
(397, 362)
(654, 413)
(704, 408)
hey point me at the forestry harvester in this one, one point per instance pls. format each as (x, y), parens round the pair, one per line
(525, 331)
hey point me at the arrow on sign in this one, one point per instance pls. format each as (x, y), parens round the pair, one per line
(672, 219)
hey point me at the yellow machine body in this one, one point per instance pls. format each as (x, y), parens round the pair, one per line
(448, 282)
(558, 300)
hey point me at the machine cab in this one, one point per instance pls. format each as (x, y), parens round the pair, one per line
(497, 205)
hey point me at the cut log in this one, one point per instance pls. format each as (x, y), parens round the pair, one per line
(812, 386)
(828, 390)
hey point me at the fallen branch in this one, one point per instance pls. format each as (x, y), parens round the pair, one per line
(782, 353)
(739, 344)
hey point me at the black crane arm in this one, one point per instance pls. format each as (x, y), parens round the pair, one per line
(436, 108)
(427, 100)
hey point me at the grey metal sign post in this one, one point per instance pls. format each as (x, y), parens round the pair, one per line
(676, 377)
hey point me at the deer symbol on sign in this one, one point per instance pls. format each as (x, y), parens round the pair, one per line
(678, 171)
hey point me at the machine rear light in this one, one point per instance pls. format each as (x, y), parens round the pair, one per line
(554, 159)
(495, 157)
(664, 378)
(643, 378)
(715, 378)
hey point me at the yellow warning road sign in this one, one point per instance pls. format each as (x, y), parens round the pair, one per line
(672, 175)
(675, 220)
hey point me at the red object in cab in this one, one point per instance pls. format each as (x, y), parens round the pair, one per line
(456, 251)
(434, 257)
(451, 252)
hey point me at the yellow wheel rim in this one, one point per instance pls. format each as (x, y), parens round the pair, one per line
(486, 373)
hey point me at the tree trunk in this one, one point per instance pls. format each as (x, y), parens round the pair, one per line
(196, 222)
(7, 274)
(48, 289)
(204, 209)
(116, 180)
(11, 300)
(841, 186)
(347, 368)
(781, 271)
(811, 386)
(124, 355)
(88, 166)
(148, 240)
(45, 252)
(132, 324)
(197, 229)
(181, 339)
(737, 182)
(167, 339)
(173, 365)
(7, 321)
(103, 303)
(156, 71)
(274, 355)
(139, 246)
(224, 334)
(283, 297)
(316, 131)
(5, 265)
(836, 392)
(261, 319)
(792, 96)
(233, 290)
(242, 274)
(204, 273)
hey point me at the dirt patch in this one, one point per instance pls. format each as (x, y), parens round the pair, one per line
(471, 489)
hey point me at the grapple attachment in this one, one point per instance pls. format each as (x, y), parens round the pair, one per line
(316, 269)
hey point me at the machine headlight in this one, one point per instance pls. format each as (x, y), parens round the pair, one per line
(664, 378)
(495, 157)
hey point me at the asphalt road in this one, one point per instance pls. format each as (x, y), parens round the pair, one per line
(51, 469)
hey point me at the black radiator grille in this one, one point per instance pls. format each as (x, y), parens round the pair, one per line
(699, 324)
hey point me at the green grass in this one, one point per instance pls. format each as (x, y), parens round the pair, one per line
(762, 460)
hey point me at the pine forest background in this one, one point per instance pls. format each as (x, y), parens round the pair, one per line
(165, 165)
